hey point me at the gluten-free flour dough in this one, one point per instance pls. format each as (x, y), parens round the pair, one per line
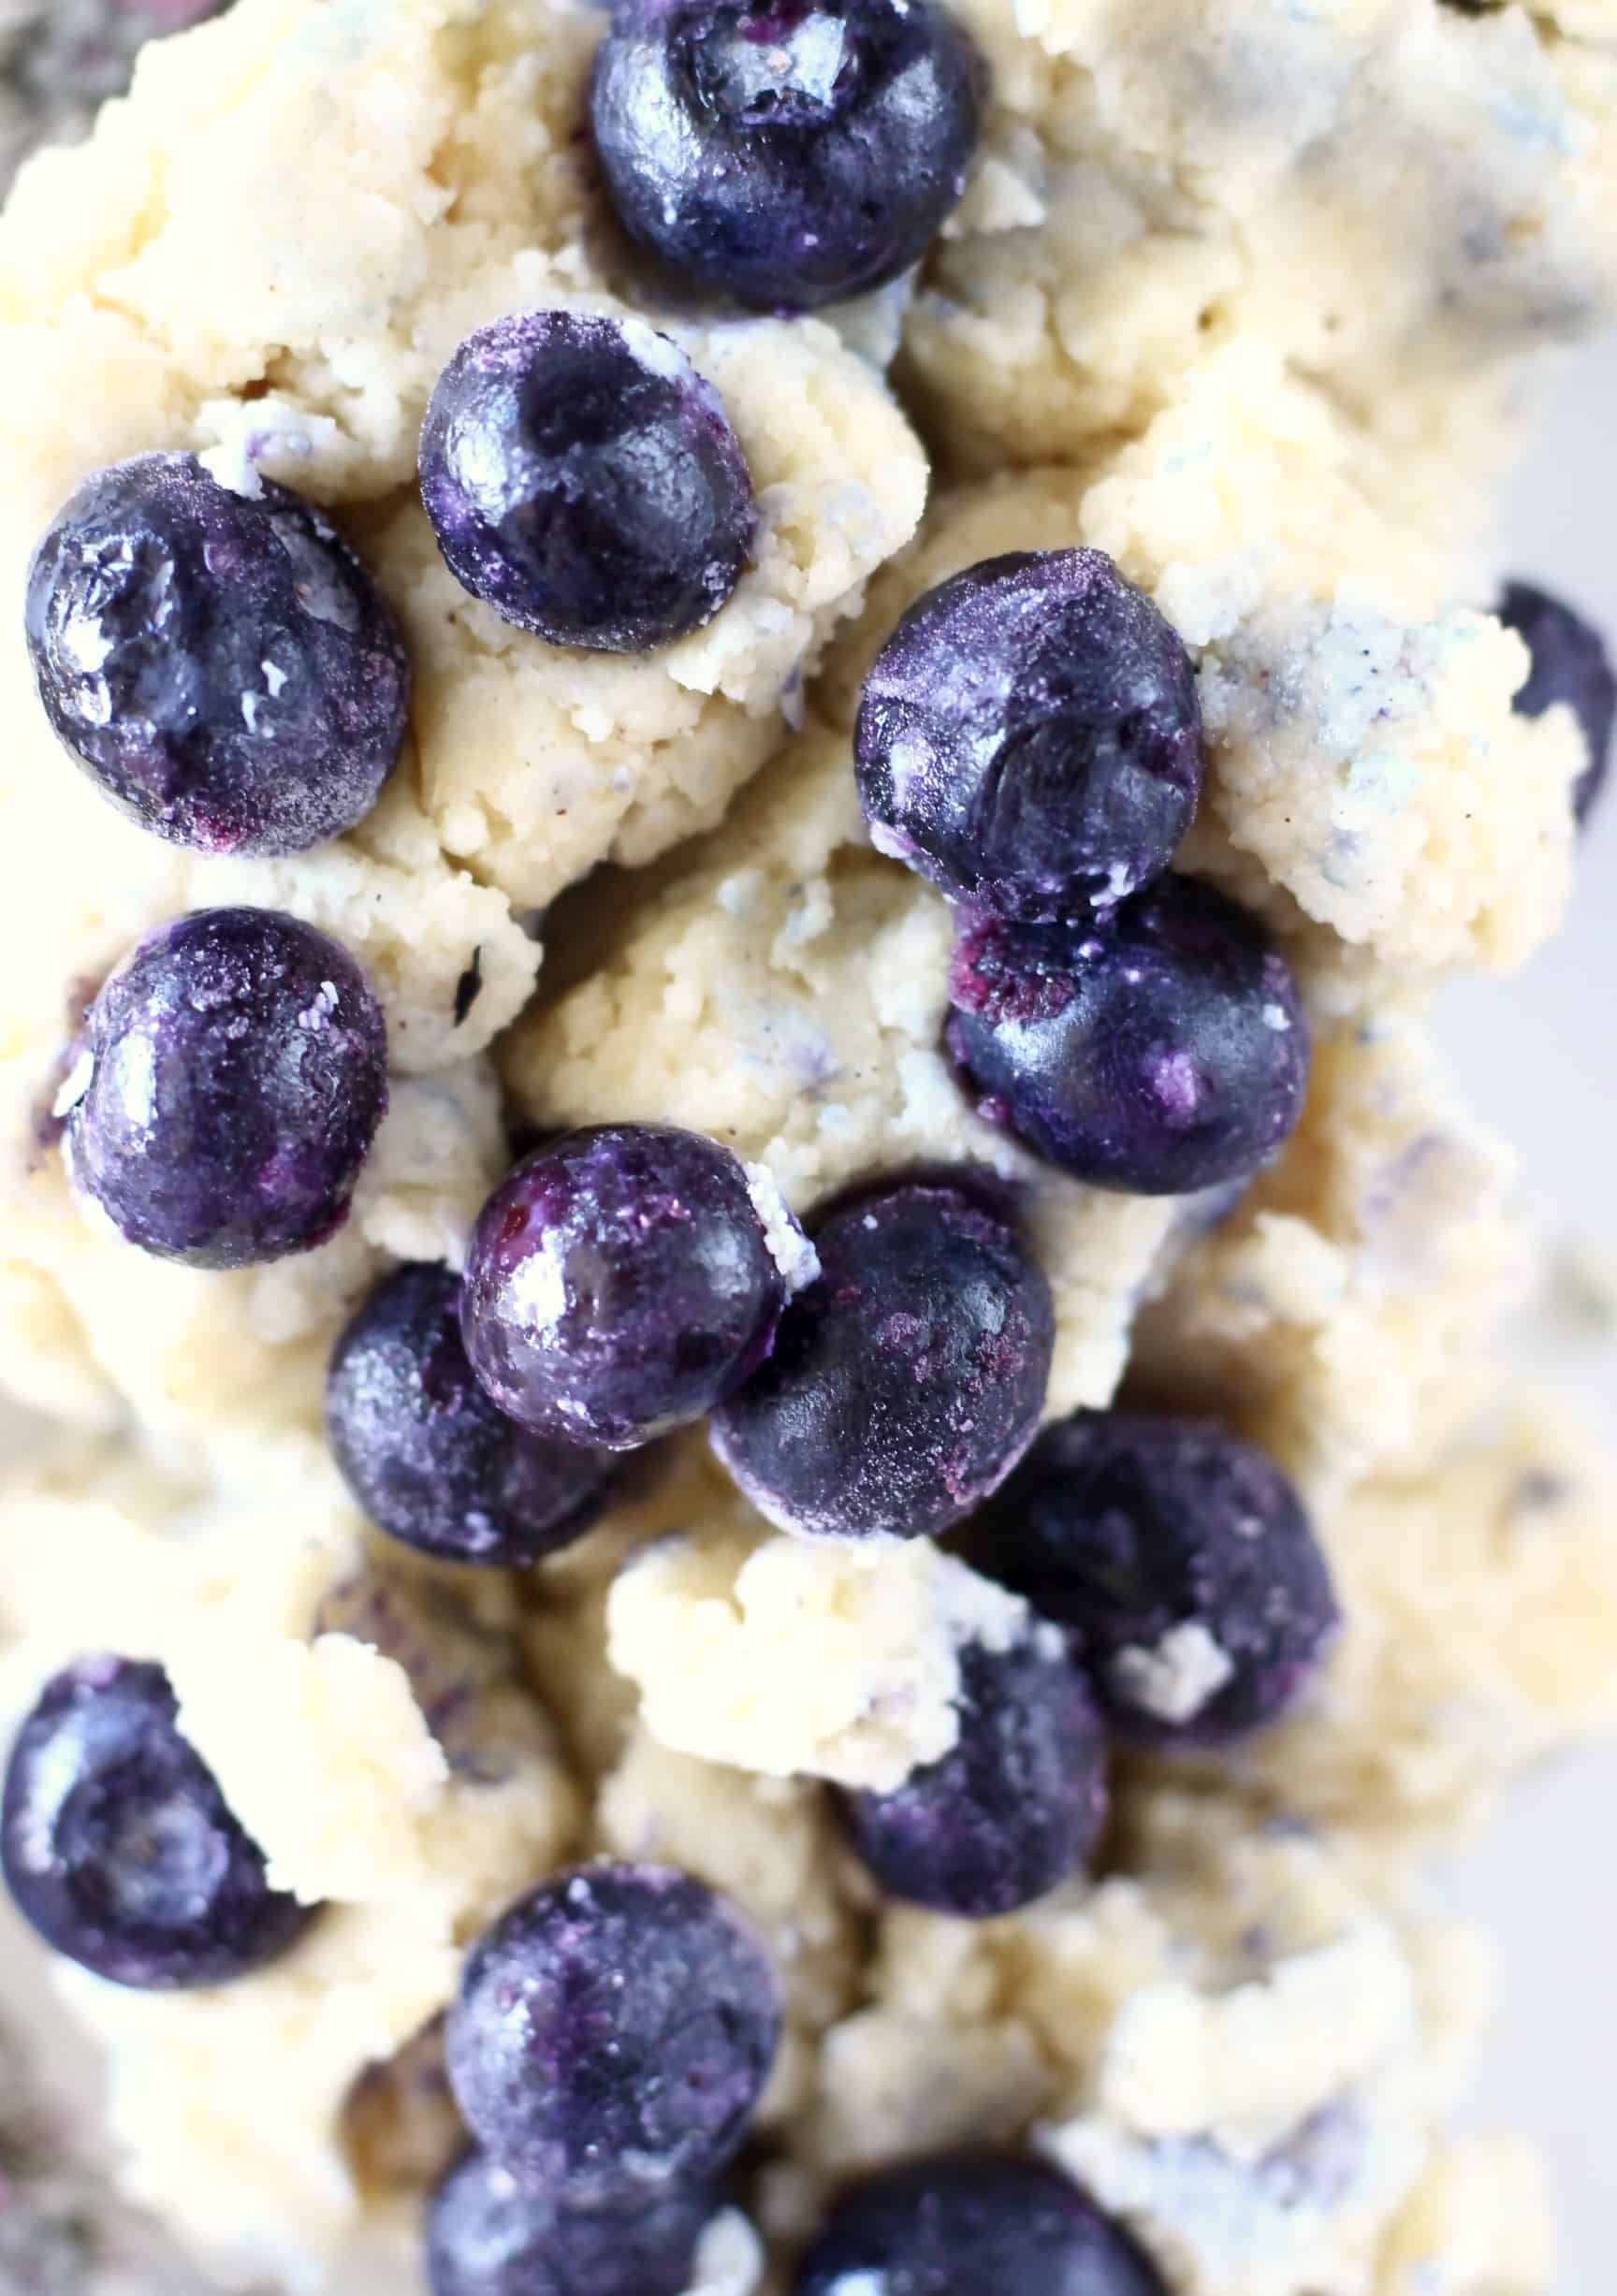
(1240, 293)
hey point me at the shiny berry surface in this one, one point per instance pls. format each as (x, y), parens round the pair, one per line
(1570, 663)
(488, 2236)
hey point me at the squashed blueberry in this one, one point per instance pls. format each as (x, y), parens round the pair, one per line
(1013, 1809)
(621, 1281)
(613, 2034)
(234, 1077)
(1159, 1051)
(907, 1381)
(972, 2224)
(788, 153)
(584, 481)
(426, 1454)
(1569, 664)
(117, 1845)
(1030, 738)
(1181, 1562)
(488, 2236)
(224, 669)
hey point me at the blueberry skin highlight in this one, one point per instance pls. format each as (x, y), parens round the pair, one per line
(1570, 663)
(786, 155)
(1030, 738)
(117, 1845)
(973, 2224)
(1125, 1527)
(584, 481)
(236, 1074)
(1159, 1051)
(1013, 1809)
(226, 671)
(612, 2036)
(488, 2236)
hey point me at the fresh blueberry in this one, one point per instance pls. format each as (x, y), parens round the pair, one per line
(584, 482)
(972, 2224)
(428, 1456)
(116, 1843)
(613, 2034)
(224, 670)
(1030, 738)
(620, 1281)
(1013, 1809)
(1182, 1563)
(488, 2236)
(906, 1382)
(1159, 1051)
(1569, 664)
(234, 1076)
(788, 153)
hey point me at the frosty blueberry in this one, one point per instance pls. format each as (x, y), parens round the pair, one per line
(584, 482)
(224, 670)
(1029, 737)
(1569, 664)
(117, 1845)
(488, 2236)
(234, 1075)
(786, 155)
(907, 1381)
(1183, 1565)
(613, 2034)
(1159, 1050)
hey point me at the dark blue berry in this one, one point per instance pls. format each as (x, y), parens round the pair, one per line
(1013, 1809)
(1161, 1050)
(787, 154)
(613, 2035)
(1182, 1563)
(488, 2236)
(971, 2224)
(224, 670)
(1030, 738)
(619, 1283)
(584, 482)
(117, 1845)
(1570, 664)
(426, 1454)
(235, 1075)
(907, 1381)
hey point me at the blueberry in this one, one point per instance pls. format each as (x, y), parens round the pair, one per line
(118, 1847)
(972, 2224)
(226, 671)
(234, 1073)
(906, 1382)
(1159, 1051)
(619, 1283)
(1015, 1808)
(1182, 1563)
(787, 154)
(1030, 738)
(1569, 664)
(584, 482)
(427, 1455)
(488, 2236)
(613, 2034)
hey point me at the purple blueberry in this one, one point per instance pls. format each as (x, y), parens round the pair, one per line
(907, 1381)
(612, 2036)
(973, 2224)
(224, 670)
(488, 2236)
(1030, 738)
(1015, 1808)
(619, 1283)
(1181, 1562)
(427, 1455)
(1569, 664)
(584, 482)
(234, 1073)
(117, 1845)
(787, 154)
(1160, 1051)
